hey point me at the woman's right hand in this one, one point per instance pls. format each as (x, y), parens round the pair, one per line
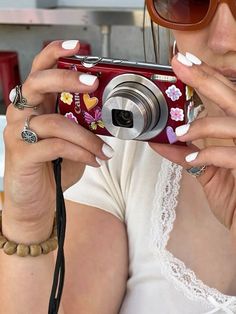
(29, 180)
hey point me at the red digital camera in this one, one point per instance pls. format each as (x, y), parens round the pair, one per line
(134, 100)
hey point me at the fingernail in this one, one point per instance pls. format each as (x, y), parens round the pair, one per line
(107, 151)
(191, 157)
(99, 161)
(182, 130)
(182, 59)
(69, 44)
(87, 79)
(193, 58)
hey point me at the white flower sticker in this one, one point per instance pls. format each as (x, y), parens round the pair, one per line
(173, 93)
(177, 114)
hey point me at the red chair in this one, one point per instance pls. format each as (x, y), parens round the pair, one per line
(85, 48)
(9, 73)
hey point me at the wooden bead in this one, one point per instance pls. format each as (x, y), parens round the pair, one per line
(22, 250)
(35, 250)
(10, 248)
(52, 244)
(3, 240)
(45, 247)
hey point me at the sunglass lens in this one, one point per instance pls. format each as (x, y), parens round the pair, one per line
(182, 11)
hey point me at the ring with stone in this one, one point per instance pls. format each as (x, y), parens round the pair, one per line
(28, 135)
(18, 100)
(196, 171)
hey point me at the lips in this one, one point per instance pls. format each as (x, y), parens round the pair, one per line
(232, 79)
(228, 73)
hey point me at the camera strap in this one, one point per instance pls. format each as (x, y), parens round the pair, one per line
(59, 272)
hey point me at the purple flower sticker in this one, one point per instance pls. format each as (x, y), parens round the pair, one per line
(70, 116)
(173, 93)
(177, 114)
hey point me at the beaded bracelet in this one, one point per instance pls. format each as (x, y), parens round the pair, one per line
(22, 250)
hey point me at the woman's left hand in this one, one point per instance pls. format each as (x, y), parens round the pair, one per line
(219, 179)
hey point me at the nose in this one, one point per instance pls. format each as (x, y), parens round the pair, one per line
(222, 34)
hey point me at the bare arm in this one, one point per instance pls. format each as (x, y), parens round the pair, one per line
(96, 261)
(96, 268)
(25, 283)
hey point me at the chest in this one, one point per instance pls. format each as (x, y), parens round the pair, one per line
(174, 215)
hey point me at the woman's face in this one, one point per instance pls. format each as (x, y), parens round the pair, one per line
(215, 44)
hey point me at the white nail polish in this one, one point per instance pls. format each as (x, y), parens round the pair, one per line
(182, 59)
(191, 157)
(99, 161)
(69, 44)
(182, 130)
(107, 151)
(87, 79)
(193, 58)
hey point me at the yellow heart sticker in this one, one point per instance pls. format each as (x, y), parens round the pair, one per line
(90, 102)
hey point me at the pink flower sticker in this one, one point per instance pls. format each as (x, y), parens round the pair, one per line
(70, 116)
(177, 114)
(173, 93)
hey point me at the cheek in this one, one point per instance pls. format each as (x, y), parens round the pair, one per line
(194, 42)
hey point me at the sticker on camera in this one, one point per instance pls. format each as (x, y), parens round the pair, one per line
(66, 98)
(177, 114)
(171, 135)
(189, 92)
(173, 93)
(96, 121)
(70, 116)
(193, 112)
(90, 102)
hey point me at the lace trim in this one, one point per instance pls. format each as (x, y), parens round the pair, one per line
(163, 217)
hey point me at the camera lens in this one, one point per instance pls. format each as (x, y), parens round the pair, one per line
(134, 108)
(122, 118)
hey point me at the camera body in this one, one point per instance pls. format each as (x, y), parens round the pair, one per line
(134, 100)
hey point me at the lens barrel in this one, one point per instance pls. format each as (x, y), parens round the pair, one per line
(134, 108)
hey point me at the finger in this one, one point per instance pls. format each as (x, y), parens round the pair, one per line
(207, 85)
(48, 57)
(52, 148)
(177, 155)
(213, 72)
(57, 126)
(223, 157)
(209, 127)
(55, 81)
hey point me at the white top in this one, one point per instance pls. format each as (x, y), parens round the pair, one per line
(141, 189)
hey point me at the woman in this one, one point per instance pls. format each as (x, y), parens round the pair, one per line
(143, 236)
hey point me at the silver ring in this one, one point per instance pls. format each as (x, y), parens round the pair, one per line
(196, 171)
(18, 100)
(28, 135)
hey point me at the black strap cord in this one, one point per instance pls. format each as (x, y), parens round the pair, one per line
(59, 272)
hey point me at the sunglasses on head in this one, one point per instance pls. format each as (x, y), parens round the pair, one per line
(185, 14)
